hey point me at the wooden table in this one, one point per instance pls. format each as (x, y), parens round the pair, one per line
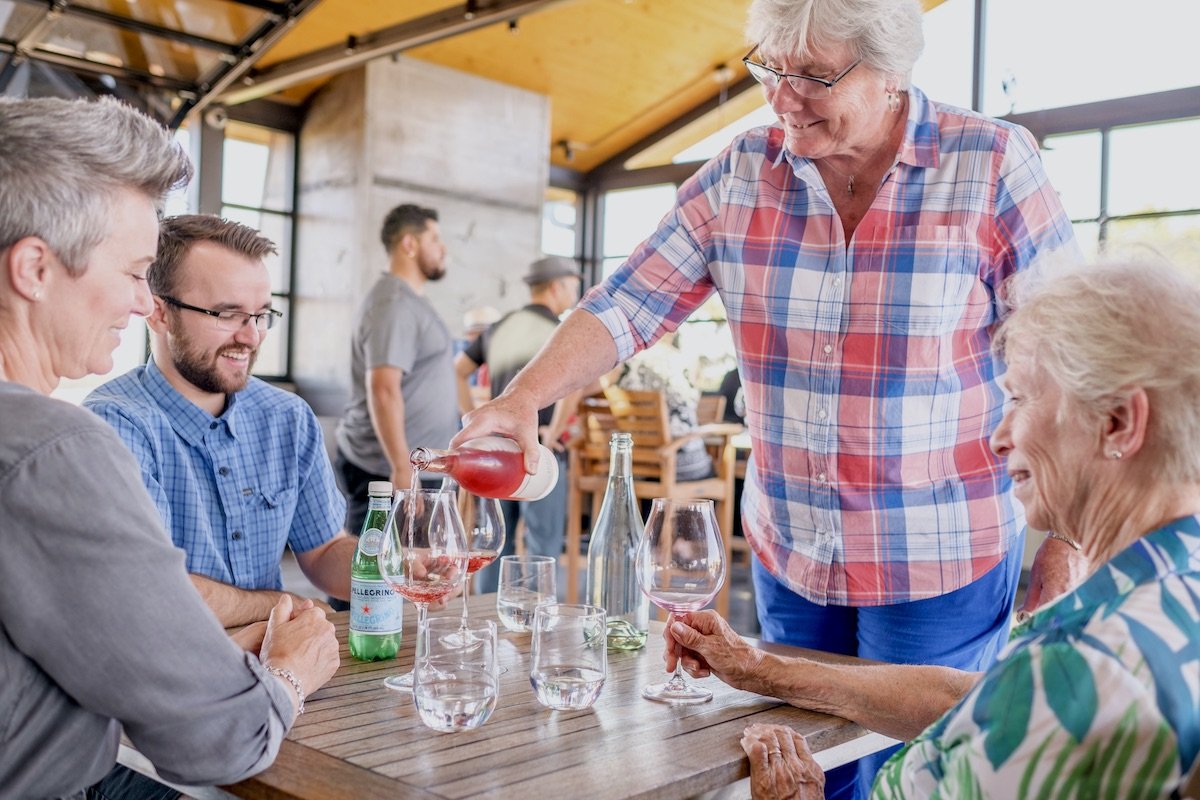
(358, 740)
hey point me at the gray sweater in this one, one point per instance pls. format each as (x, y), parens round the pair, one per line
(100, 627)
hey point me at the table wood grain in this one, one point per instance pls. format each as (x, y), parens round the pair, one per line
(359, 740)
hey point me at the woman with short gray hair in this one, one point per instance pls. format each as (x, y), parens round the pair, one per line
(1098, 694)
(103, 632)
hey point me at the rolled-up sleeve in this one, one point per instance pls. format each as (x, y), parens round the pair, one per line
(97, 596)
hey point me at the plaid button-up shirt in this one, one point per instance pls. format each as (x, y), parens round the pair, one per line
(232, 490)
(870, 386)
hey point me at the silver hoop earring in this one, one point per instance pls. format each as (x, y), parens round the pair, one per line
(1115, 455)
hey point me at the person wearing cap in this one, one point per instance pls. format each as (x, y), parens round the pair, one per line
(504, 349)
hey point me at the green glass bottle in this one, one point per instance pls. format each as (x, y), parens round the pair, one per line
(376, 612)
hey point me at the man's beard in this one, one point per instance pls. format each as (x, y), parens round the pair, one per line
(433, 271)
(200, 370)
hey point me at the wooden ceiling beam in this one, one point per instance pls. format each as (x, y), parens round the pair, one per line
(433, 27)
(616, 165)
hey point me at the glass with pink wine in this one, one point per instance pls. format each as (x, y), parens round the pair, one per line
(423, 556)
(680, 565)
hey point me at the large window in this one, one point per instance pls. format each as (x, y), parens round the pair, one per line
(257, 189)
(1049, 53)
(943, 71)
(558, 223)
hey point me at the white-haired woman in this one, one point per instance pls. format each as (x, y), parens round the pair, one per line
(102, 630)
(858, 245)
(1098, 695)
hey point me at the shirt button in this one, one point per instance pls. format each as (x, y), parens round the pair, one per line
(213, 425)
(223, 471)
(821, 477)
(837, 281)
(235, 535)
(821, 414)
(828, 348)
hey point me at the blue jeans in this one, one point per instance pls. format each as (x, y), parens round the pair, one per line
(545, 527)
(964, 629)
(123, 783)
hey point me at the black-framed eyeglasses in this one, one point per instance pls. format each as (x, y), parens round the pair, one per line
(803, 85)
(230, 320)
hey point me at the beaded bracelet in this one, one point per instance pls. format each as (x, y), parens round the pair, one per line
(290, 677)
(1074, 544)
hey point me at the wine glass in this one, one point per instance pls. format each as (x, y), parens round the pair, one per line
(484, 524)
(680, 566)
(423, 556)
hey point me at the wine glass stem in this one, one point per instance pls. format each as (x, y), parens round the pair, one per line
(678, 680)
(422, 624)
(466, 586)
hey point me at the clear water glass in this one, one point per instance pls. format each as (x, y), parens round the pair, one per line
(456, 681)
(569, 655)
(525, 583)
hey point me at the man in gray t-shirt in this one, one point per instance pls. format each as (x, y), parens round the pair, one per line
(401, 365)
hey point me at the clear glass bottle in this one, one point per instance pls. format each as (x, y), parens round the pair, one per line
(491, 466)
(376, 613)
(611, 574)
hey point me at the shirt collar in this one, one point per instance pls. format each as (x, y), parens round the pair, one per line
(188, 420)
(542, 310)
(919, 148)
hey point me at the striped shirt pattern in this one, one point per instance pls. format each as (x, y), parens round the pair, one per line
(232, 490)
(870, 386)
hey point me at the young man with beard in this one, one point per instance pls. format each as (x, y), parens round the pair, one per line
(236, 467)
(401, 365)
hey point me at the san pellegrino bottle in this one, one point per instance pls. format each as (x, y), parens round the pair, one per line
(491, 466)
(376, 613)
(611, 568)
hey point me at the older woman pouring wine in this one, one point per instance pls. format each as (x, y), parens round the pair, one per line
(1100, 690)
(102, 630)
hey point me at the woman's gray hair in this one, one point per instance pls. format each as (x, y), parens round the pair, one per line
(61, 161)
(886, 34)
(1100, 331)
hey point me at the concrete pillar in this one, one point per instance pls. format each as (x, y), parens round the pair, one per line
(404, 131)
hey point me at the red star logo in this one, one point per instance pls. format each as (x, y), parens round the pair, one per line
(366, 609)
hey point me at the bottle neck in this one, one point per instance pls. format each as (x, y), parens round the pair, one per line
(379, 503)
(620, 463)
(426, 459)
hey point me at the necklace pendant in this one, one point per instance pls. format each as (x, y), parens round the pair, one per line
(850, 186)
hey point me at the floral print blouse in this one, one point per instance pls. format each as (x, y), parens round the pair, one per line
(1098, 696)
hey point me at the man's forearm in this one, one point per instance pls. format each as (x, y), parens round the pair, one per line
(896, 700)
(386, 407)
(579, 352)
(328, 567)
(234, 606)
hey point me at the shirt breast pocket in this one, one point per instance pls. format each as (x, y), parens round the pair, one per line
(271, 512)
(918, 280)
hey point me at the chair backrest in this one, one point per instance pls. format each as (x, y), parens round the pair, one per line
(711, 409)
(643, 415)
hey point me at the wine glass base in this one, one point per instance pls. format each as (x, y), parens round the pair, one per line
(400, 683)
(688, 694)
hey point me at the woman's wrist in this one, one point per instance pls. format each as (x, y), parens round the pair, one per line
(290, 678)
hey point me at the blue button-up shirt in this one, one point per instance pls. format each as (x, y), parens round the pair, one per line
(232, 490)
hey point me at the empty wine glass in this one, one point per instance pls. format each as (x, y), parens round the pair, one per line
(423, 556)
(680, 567)
(483, 522)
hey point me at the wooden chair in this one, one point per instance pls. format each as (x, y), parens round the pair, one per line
(711, 409)
(643, 414)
